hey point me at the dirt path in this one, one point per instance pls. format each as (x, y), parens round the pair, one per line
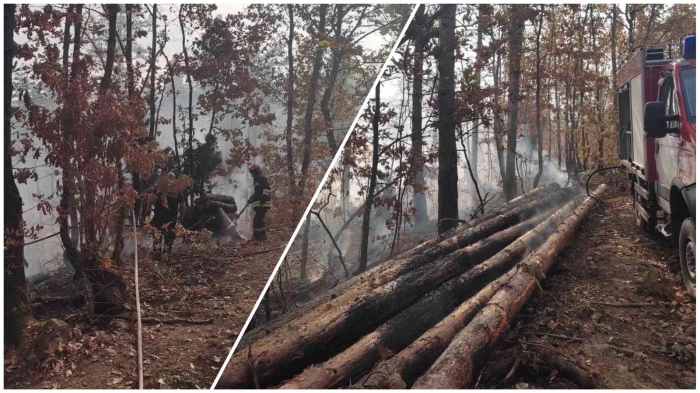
(611, 305)
(215, 286)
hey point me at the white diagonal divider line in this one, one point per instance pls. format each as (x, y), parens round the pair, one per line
(313, 199)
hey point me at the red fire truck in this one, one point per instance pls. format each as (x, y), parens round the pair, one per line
(656, 96)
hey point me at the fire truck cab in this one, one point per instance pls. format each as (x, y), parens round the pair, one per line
(656, 97)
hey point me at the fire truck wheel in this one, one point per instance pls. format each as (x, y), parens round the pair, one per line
(686, 249)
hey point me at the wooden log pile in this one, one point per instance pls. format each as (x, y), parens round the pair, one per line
(424, 319)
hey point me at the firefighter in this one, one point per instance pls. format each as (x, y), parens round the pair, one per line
(165, 216)
(260, 202)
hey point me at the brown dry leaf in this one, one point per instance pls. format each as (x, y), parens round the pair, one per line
(384, 352)
(679, 298)
(522, 385)
(552, 325)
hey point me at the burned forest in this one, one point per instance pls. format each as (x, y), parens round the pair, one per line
(514, 208)
(158, 158)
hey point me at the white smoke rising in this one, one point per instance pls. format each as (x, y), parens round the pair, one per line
(528, 161)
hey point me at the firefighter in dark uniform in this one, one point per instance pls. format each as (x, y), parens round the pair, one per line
(260, 202)
(165, 216)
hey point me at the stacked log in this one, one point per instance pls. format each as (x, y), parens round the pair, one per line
(417, 306)
(541, 197)
(455, 367)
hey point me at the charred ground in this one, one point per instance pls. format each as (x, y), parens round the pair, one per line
(193, 306)
(614, 305)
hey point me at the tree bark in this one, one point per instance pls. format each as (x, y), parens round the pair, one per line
(172, 88)
(400, 371)
(108, 286)
(415, 359)
(152, 93)
(495, 220)
(456, 366)
(538, 99)
(474, 145)
(69, 238)
(515, 50)
(498, 126)
(336, 59)
(556, 103)
(409, 323)
(121, 213)
(417, 159)
(372, 181)
(190, 129)
(361, 307)
(75, 229)
(16, 302)
(613, 71)
(311, 102)
(290, 104)
(447, 143)
(347, 322)
(305, 248)
(106, 81)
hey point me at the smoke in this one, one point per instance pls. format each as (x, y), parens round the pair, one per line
(529, 163)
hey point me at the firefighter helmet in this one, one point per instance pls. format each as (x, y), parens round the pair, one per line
(253, 168)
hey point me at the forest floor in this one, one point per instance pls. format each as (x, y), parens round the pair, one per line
(193, 305)
(613, 304)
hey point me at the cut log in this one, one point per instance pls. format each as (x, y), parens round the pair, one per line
(415, 359)
(377, 345)
(456, 367)
(413, 259)
(568, 369)
(284, 352)
(410, 323)
(508, 207)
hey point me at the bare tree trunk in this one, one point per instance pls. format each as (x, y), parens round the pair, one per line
(70, 238)
(650, 21)
(498, 127)
(290, 104)
(108, 286)
(121, 214)
(556, 103)
(538, 99)
(152, 93)
(613, 71)
(75, 229)
(16, 303)
(447, 151)
(190, 129)
(311, 102)
(515, 49)
(631, 11)
(417, 116)
(332, 78)
(172, 87)
(305, 248)
(372, 181)
(474, 148)
(599, 98)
